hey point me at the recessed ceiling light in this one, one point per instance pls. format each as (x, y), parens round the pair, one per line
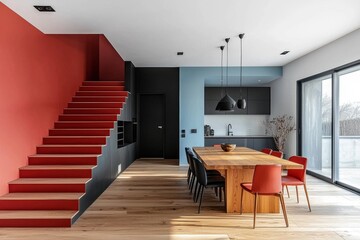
(284, 52)
(180, 53)
(44, 8)
(259, 80)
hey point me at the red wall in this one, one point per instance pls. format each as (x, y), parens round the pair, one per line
(38, 76)
(112, 66)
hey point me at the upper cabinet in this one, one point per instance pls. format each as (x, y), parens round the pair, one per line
(257, 98)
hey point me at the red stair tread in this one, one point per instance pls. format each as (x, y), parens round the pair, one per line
(57, 167)
(102, 88)
(33, 214)
(101, 93)
(79, 132)
(74, 140)
(103, 83)
(83, 124)
(92, 110)
(42, 196)
(99, 99)
(66, 155)
(50, 181)
(69, 146)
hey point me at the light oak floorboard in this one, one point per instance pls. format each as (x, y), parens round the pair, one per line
(150, 200)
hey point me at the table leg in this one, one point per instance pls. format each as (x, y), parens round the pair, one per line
(233, 178)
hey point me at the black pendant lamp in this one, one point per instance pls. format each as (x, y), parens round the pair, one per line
(226, 104)
(241, 103)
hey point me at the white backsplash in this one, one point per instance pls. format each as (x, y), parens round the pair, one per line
(241, 124)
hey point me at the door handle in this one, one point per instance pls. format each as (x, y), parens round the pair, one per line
(160, 127)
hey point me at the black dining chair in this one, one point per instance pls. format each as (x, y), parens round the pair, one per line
(192, 180)
(205, 181)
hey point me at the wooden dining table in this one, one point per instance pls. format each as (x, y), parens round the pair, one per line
(238, 166)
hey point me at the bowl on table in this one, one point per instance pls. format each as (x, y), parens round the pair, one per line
(228, 147)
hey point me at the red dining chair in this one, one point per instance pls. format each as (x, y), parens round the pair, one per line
(267, 150)
(266, 181)
(277, 154)
(296, 177)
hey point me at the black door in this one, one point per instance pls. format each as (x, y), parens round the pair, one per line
(151, 125)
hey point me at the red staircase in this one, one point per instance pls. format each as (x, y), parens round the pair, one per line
(54, 189)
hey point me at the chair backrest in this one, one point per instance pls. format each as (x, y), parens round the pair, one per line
(187, 150)
(200, 171)
(189, 156)
(267, 179)
(298, 173)
(277, 154)
(267, 150)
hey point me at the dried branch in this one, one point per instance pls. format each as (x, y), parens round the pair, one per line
(280, 127)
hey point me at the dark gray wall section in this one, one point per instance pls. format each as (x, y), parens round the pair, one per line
(113, 160)
(163, 81)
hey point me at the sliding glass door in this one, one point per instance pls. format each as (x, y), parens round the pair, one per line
(316, 124)
(349, 127)
(330, 125)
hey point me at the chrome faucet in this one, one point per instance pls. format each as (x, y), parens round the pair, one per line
(229, 130)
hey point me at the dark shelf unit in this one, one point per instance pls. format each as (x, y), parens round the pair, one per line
(257, 98)
(127, 131)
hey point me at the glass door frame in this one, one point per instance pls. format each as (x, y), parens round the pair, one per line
(335, 133)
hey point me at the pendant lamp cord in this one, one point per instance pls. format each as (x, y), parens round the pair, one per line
(241, 61)
(227, 63)
(222, 71)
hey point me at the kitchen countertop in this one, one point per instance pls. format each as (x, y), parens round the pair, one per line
(239, 136)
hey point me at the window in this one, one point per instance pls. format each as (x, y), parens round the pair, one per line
(329, 119)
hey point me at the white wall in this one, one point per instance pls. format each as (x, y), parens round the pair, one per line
(283, 91)
(241, 124)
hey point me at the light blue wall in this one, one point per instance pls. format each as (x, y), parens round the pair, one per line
(191, 85)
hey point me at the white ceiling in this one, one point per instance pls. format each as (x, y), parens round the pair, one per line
(150, 32)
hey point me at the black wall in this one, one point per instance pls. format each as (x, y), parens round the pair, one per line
(163, 81)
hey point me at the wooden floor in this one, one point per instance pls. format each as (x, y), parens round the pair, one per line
(150, 200)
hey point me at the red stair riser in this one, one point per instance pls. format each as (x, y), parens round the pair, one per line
(62, 160)
(92, 111)
(68, 150)
(88, 117)
(79, 132)
(103, 83)
(101, 88)
(45, 204)
(74, 141)
(101, 93)
(99, 99)
(28, 222)
(64, 124)
(59, 173)
(95, 105)
(46, 188)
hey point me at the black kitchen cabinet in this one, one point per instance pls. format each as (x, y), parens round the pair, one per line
(257, 98)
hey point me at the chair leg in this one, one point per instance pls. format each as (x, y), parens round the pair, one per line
(241, 199)
(281, 196)
(196, 192)
(188, 175)
(307, 197)
(287, 190)
(201, 196)
(194, 182)
(220, 195)
(191, 183)
(216, 191)
(255, 209)
(297, 194)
